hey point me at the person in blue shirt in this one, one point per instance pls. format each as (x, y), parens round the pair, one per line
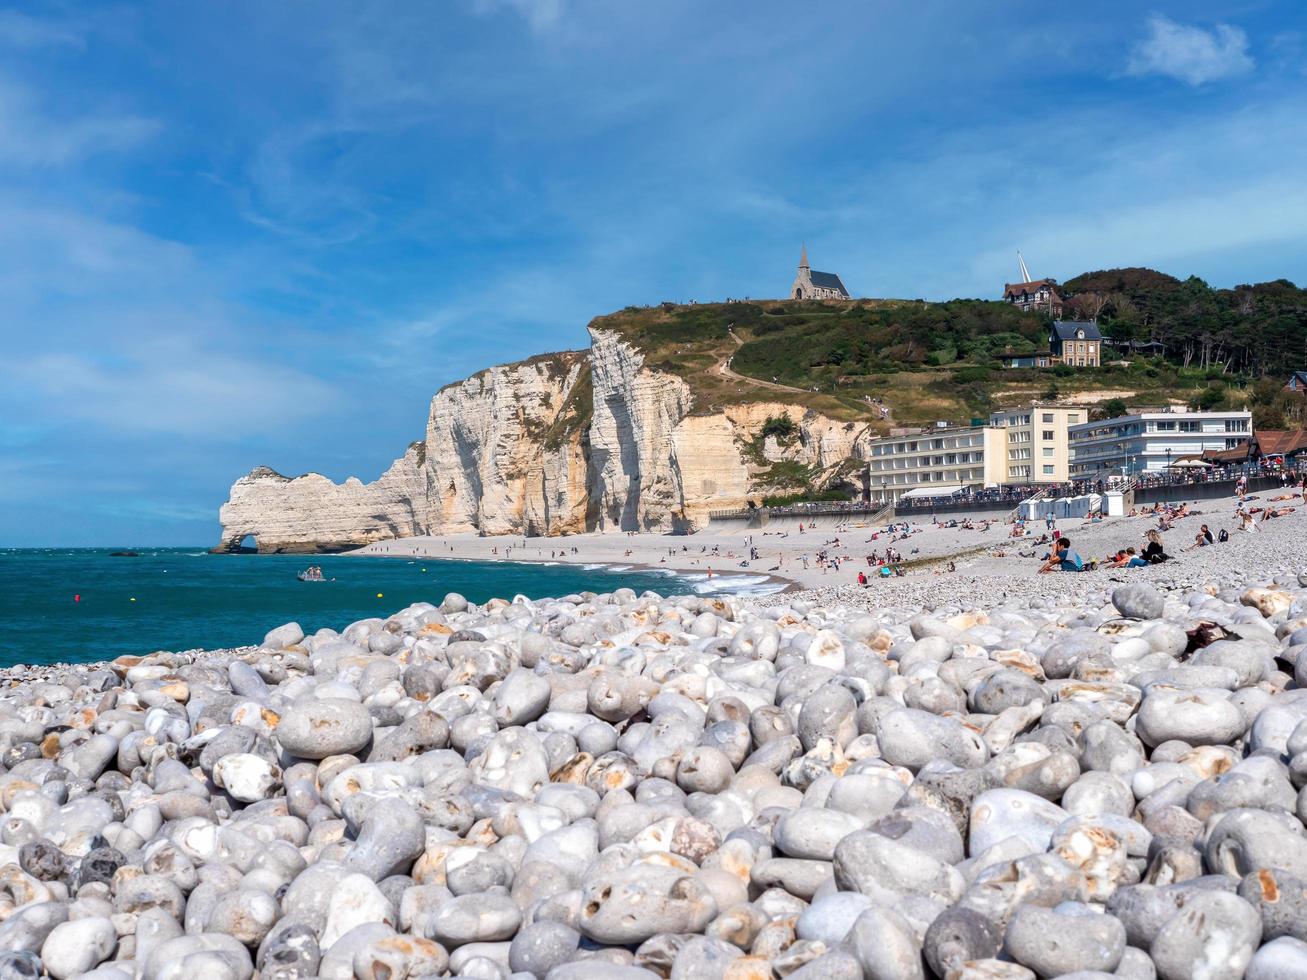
(1063, 558)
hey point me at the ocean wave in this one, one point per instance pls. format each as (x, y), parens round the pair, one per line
(619, 568)
(742, 585)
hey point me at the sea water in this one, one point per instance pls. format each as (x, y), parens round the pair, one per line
(84, 604)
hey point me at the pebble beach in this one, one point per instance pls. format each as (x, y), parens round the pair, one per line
(982, 774)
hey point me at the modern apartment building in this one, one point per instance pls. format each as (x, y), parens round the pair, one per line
(1037, 448)
(1147, 442)
(945, 458)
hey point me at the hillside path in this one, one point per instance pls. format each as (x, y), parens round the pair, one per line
(723, 369)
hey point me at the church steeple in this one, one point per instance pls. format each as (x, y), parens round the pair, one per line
(803, 257)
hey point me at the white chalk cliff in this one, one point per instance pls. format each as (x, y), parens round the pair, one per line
(558, 444)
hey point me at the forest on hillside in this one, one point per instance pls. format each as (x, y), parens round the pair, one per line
(1251, 329)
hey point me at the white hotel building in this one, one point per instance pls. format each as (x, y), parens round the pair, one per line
(1147, 442)
(942, 460)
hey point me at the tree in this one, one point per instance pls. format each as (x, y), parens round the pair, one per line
(1211, 398)
(1112, 408)
(780, 426)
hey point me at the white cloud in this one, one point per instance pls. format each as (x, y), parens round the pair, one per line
(1189, 53)
(18, 30)
(179, 388)
(540, 14)
(31, 136)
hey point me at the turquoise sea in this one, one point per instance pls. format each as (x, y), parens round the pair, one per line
(82, 604)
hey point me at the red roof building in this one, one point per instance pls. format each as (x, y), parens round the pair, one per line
(1040, 295)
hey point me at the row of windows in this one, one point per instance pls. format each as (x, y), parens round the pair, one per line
(938, 476)
(944, 459)
(953, 442)
(1162, 425)
(1047, 418)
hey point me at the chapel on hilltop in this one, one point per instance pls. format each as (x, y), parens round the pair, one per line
(816, 285)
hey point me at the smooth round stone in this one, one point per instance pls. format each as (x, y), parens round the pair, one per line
(283, 636)
(289, 950)
(704, 769)
(813, 832)
(912, 738)
(1138, 600)
(797, 876)
(957, 936)
(78, 946)
(1064, 939)
(883, 868)
(1281, 900)
(246, 777)
(1195, 717)
(400, 956)
(354, 901)
(247, 915)
(632, 905)
(203, 957)
(28, 927)
(42, 860)
(316, 729)
(925, 828)
(998, 814)
(475, 919)
(701, 956)
(1214, 935)
(20, 965)
(390, 840)
(866, 795)
(829, 918)
(885, 945)
(1098, 792)
(1281, 959)
(827, 713)
(1244, 841)
(521, 697)
(541, 946)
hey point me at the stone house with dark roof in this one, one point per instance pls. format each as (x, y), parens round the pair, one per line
(816, 285)
(1079, 344)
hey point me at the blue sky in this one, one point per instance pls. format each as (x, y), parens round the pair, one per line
(266, 233)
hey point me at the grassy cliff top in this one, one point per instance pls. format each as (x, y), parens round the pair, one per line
(926, 361)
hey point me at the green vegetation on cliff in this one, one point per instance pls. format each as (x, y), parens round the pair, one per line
(928, 361)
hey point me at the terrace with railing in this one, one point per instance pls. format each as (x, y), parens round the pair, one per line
(972, 498)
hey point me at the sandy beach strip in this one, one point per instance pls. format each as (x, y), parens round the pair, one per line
(985, 556)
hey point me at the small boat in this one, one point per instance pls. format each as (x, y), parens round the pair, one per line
(306, 577)
(124, 554)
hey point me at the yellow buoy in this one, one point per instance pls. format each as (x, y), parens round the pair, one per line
(378, 595)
